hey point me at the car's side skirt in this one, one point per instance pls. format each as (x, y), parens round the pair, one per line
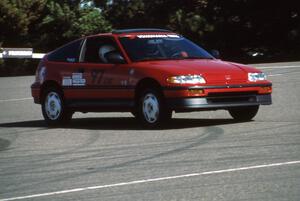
(100, 105)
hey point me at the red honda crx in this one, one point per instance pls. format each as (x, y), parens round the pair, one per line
(148, 72)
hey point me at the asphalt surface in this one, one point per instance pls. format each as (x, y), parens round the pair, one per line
(108, 156)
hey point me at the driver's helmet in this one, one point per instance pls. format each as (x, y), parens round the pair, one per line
(104, 49)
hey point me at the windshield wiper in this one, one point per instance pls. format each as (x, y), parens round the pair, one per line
(172, 58)
(153, 59)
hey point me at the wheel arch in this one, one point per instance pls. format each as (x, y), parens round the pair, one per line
(49, 84)
(144, 83)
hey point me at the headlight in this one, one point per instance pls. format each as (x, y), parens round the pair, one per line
(187, 79)
(253, 77)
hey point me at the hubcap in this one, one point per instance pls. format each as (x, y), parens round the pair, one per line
(53, 105)
(150, 108)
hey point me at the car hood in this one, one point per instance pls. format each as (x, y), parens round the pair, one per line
(214, 71)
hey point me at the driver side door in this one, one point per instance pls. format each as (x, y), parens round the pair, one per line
(104, 80)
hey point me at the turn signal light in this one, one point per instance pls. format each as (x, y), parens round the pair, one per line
(196, 91)
(265, 90)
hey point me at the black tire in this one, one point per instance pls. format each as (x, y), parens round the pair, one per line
(244, 113)
(53, 108)
(146, 103)
(134, 113)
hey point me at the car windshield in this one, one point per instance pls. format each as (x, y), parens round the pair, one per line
(161, 47)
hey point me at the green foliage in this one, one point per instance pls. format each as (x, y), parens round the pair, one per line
(90, 21)
(46, 24)
(233, 26)
(55, 24)
(17, 17)
(67, 23)
(190, 24)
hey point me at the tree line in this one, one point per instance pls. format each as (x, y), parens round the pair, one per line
(243, 30)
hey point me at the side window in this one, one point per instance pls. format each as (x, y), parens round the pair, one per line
(67, 53)
(97, 48)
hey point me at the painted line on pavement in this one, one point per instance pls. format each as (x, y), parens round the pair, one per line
(16, 99)
(280, 74)
(274, 75)
(271, 67)
(152, 180)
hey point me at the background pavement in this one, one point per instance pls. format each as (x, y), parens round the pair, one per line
(100, 149)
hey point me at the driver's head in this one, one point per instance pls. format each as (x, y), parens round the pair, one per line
(104, 49)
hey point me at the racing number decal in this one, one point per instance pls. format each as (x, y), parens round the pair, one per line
(97, 75)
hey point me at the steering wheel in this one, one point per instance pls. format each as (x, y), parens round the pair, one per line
(176, 55)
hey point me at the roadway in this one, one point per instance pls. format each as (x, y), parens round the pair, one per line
(108, 156)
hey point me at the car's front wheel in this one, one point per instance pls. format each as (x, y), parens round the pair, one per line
(53, 108)
(244, 113)
(151, 108)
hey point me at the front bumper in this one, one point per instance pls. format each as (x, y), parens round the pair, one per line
(214, 103)
(35, 92)
(218, 97)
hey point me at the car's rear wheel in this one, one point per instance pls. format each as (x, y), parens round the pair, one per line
(53, 108)
(152, 110)
(244, 113)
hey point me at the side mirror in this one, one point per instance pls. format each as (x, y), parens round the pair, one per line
(115, 57)
(215, 53)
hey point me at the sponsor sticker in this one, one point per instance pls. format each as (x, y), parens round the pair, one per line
(67, 81)
(155, 41)
(78, 82)
(72, 60)
(74, 80)
(158, 36)
(173, 36)
(76, 75)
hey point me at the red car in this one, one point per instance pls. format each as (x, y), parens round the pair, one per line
(148, 72)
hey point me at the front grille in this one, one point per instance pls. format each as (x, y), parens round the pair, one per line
(232, 97)
(231, 100)
(232, 94)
